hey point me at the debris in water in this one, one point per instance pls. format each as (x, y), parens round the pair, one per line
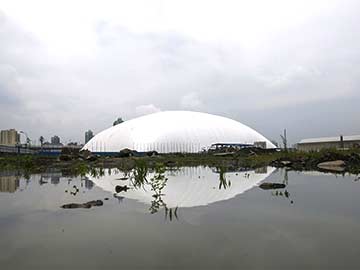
(119, 189)
(122, 178)
(267, 186)
(83, 205)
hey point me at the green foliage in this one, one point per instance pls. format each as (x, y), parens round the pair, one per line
(157, 183)
(137, 168)
(17, 162)
(41, 139)
(223, 183)
(81, 169)
(118, 121)
(139, 174)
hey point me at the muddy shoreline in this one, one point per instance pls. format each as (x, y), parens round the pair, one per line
(76, 164)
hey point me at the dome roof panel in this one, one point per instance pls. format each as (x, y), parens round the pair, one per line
(174, 131)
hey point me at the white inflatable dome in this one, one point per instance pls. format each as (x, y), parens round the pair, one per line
(174, 132)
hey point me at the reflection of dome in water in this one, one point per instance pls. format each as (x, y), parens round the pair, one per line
(184, 188)
(174, 131)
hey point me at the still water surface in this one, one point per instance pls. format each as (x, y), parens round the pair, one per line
(190, 218)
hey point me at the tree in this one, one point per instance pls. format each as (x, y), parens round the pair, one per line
(118, 121)
(41, 139)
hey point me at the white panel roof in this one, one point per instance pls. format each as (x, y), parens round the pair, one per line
(330, 139)
(173, 131)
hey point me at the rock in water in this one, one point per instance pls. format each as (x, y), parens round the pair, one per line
(286, 163)
(93, 203)
(119, 189)
(72, 205)
(82, 205)
(337, 165)
(266, 186)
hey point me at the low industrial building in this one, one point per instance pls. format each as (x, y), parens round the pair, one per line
(340, 142)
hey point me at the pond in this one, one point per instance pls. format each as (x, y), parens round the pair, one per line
(183, 218)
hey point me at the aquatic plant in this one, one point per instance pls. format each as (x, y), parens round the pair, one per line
(169, 213)
(223, 182)
(157, 183)
(139, 173)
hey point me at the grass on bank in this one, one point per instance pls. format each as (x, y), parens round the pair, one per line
(247, 159)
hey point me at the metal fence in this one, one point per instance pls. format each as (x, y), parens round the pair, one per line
(16, 150)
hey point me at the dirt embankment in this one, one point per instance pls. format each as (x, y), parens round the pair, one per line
(81, 163)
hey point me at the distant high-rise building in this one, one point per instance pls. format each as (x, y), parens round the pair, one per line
(55, 140)
(88, 135)
(9, 137)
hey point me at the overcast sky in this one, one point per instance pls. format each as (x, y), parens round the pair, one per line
(69, 66)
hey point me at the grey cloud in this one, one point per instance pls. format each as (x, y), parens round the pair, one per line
(6, 98)
(146, 109)
(9, 86)
(191, 101)
(289, 82)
